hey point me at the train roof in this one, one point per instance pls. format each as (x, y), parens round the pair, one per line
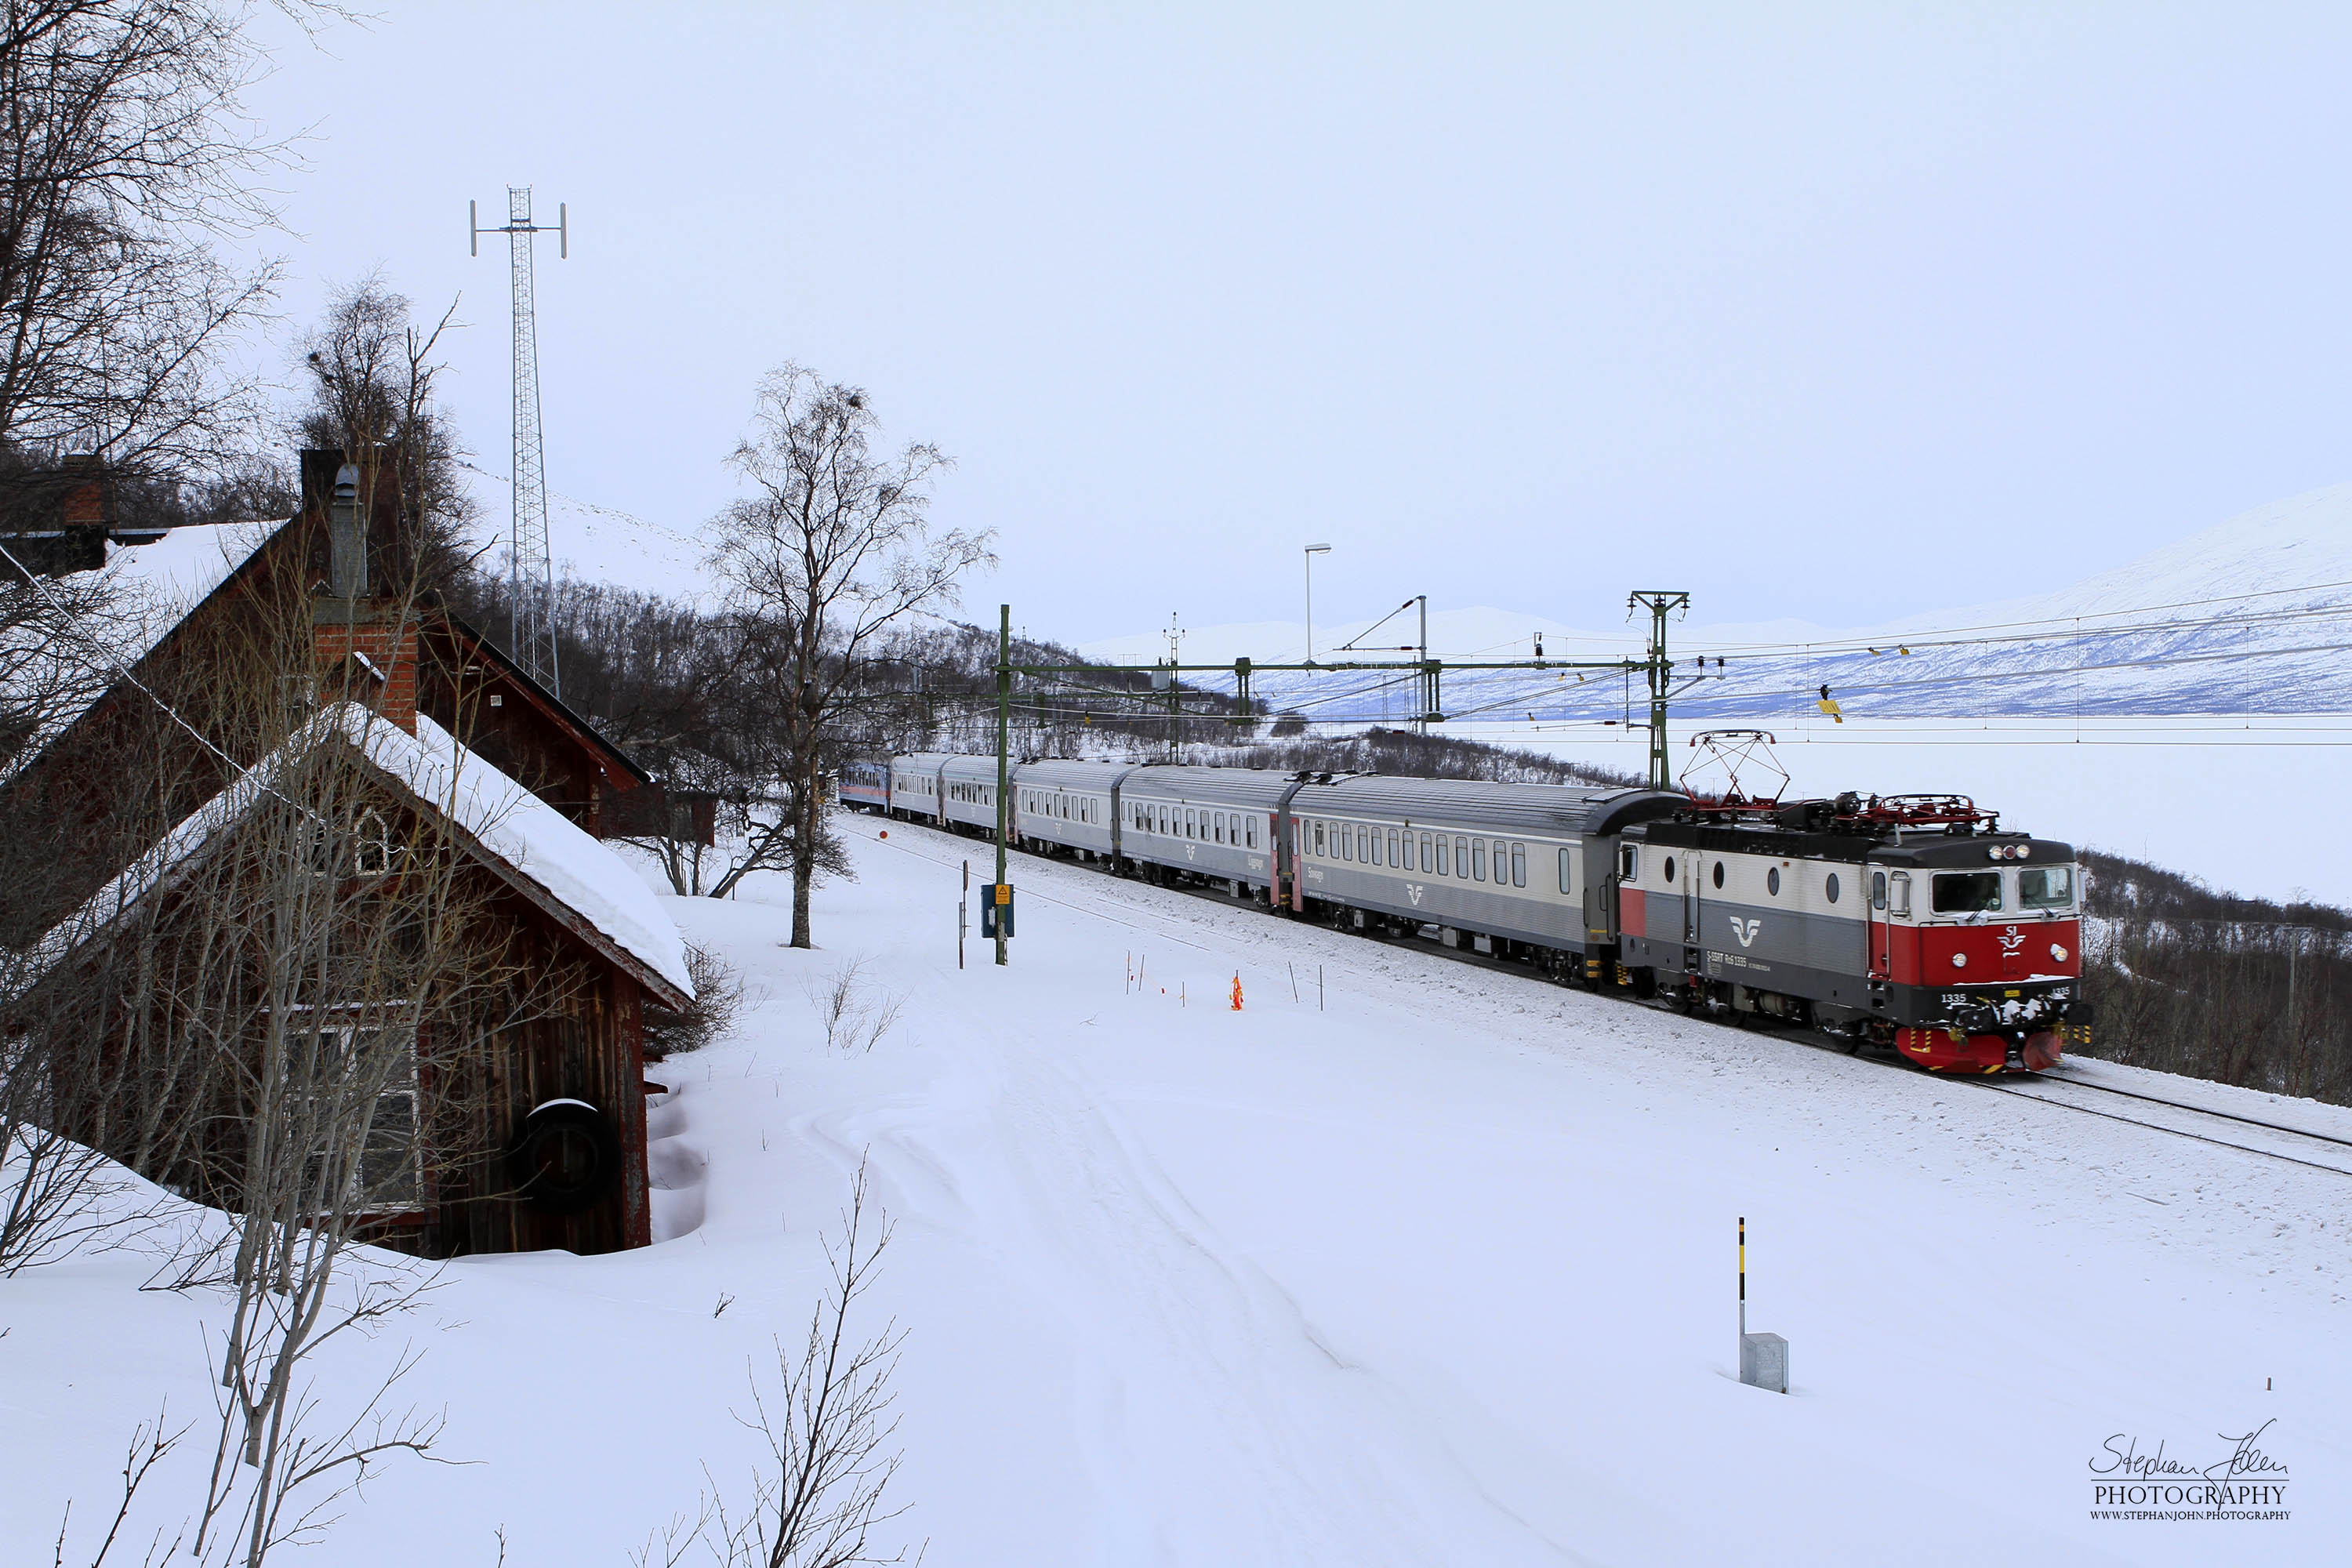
(1218, 786)
(1475, 802)
(1062, 773)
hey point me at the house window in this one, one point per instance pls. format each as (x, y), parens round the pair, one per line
(371, 847)
(358, 1115)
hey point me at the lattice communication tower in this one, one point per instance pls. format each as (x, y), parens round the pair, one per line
(530, 628)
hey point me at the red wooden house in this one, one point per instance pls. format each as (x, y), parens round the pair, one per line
(458, 748)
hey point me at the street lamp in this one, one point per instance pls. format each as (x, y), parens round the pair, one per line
(1312, 551)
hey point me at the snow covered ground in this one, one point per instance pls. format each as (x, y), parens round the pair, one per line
(1437, 1268)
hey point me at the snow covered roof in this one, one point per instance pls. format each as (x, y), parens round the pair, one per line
(528, 840)
(179, 570)
(159, 583)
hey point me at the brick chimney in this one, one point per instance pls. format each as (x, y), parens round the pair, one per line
(364, 641)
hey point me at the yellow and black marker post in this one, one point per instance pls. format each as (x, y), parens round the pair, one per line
(1743, 1278)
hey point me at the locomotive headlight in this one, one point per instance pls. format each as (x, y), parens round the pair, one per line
(1960, 961)
(2025, 851)
(2057, 953)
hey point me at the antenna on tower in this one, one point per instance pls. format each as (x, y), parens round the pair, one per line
(530, 624)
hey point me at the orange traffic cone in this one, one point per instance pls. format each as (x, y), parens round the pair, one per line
(1237, 993)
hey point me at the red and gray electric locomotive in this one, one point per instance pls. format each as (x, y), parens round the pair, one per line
(1910, 921)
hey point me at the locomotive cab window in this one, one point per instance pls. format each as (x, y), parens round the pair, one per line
(1878, 889)
(2046, 888)
(1898, 893)
(1632, 862)
(1965, 893)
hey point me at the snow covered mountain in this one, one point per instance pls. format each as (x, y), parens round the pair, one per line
(2246, 617)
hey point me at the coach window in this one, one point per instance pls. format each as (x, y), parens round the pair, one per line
(1567, 873)
(1249, 826)
(1502, 861)
(1830, 888)
(1393, 847)
(1445, 865)
(1363, 846)
(1518, 865)
(1772, 882)
(1479, 859)
(1427, 863)
(1319, 836)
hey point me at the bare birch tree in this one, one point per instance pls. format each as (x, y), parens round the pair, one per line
(124, 153)
(832, 548)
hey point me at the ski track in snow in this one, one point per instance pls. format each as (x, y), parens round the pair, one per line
(1439, 1275)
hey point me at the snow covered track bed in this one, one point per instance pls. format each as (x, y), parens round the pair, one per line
(1441, 1272)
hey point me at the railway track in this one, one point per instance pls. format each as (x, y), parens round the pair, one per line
(2041, 1090)
(2038, 1089)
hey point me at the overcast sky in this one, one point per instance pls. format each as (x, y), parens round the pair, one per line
(1821, 312)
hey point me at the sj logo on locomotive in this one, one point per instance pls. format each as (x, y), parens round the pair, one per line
(1745, 929)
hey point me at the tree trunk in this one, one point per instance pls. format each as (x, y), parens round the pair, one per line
(803, 855)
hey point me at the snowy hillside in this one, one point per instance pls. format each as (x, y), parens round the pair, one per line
(1406, 1262)
(2252, 616)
